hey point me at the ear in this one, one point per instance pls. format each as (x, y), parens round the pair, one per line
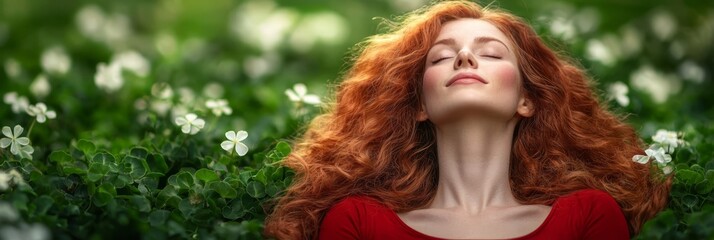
(525, 107)
(422, 115)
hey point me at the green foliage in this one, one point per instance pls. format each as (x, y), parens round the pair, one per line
(114, 164)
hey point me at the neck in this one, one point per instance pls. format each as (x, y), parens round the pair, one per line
(474, 157)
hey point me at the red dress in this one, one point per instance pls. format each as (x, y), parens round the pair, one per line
(585, 214)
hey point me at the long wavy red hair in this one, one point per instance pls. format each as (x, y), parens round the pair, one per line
(369, 141)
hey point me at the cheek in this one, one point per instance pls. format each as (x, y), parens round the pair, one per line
(431, 80)
(508, 75)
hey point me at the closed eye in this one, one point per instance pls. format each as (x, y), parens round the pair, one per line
(491, 56)
(439, 60)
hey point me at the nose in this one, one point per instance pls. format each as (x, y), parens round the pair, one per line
(465, 59)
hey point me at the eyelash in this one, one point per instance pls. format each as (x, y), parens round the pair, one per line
(491, 56)
(439, 60)
(486, 56)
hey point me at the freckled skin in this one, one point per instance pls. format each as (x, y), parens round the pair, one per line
(493, 60)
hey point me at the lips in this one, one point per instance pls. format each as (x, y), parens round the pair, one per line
(466, 77)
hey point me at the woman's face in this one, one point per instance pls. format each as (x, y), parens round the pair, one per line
(471, 69)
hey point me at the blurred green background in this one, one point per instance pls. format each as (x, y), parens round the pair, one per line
(650, 60)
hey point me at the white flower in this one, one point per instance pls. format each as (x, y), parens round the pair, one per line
(18, 145)
(213, 90)
(10, 178)
(18, 103)
(618, 91)
(12, 68)
(162, 90)
(40, 87)
(659, 155)
(40, 111)
(659, 85)
(111, 29)
(219, 107)
(7, 212)
(234, 142)
(132, 61)
(668, 139)
(190, 124)
(667, 169)
(55, 60)
(299, 94)
(108, 77)
(4, 181)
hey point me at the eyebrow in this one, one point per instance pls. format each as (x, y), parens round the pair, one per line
(451, 41)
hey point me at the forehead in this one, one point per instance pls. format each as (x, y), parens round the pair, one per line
(469, 29)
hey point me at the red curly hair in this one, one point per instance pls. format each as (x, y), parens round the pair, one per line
(369, 141)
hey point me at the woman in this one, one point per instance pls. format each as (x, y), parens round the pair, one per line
(461, 123)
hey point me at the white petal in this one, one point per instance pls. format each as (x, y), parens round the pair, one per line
(27, 149)
(23, 140)
(292, 95)
(31, 110)
(241, 149)
(194, 130)
(640, 159)
(190, 117)
(199, 123)
(300, 89)
(311, 99)
(10, 97)
(667, 158)
(186, 128)
(231, 135)
(180, 121)
(210, 104)
(227, 145)
(41, 106)
(51, 114)
(41, 118)
(667, 170)
(7, 132)
(15, 148)
(18, 130)
(5, 142)
(241, 135)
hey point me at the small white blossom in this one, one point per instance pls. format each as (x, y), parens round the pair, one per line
(34, 231)
(40, 111)
(18, 145)
(618, 91)
(234, 142)
(40, 87)
(668, 139)
(4, 181)
(12, 68)
(186, 95)
(219, 107)
(190, 124)
(56, 61)
(7, 179)
(213, 90)
(108, 77)
(659, 155)
(299, 94)
(7, 212)
(667, 169)
(18, 103)
(133, 61)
